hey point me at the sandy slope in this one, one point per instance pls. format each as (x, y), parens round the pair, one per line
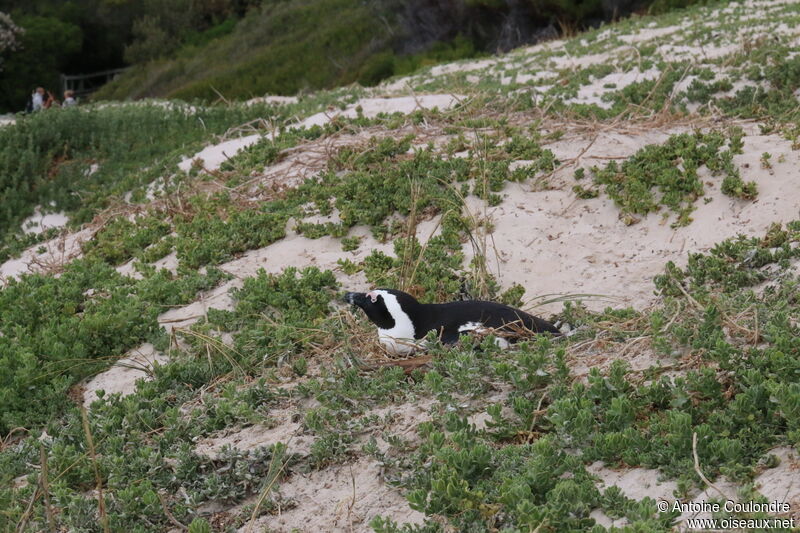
(549, 241)
(213, 156)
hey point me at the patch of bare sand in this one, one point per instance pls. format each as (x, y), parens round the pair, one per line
(639, 356)
(782, 483)
(723, 489)
(678, 52)
(372, 107)
(593, 92)
(274, 100)
(464, 66)
(57, 253)
(634, 482)
(212, 156)
(401, 421)
(481, 417)
(122, 377)
(647, 34)
(39, 222)
(185, 316)
(297, 250)
(342, 498)
(310, 158)
(294, 250)
(337, 498)
(285, 429)
(552, 242)
(637, 483)
(169, 262)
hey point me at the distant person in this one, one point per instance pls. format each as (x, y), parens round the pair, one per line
(69, 99)
(50, 101)
(37, 99)
(29, 102)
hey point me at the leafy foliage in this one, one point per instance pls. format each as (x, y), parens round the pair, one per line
(673, 169)
(208, 239)
(45, 43)
(9, 35)
(280, 48)
(122, 238)
(56, 331)
(48, 157)
(277, 315)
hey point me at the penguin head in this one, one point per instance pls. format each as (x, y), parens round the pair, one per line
(383, 307)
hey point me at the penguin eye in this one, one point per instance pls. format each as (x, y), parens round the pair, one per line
(373, 296)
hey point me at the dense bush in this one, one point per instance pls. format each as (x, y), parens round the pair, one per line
(56, 331)
(46, 43)
(48, 157)
(279, 48)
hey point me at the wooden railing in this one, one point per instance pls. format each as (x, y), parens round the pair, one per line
(83, 84)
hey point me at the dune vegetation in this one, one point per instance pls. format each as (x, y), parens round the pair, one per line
(632, 183)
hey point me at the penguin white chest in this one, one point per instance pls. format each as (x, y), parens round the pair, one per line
(400, 338)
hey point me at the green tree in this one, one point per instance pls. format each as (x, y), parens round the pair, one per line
(9, 36)
(46, 44)
(162, 27)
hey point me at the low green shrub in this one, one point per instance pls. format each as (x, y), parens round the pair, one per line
(56, 331)
(122, 238)
(672, 169)
(80, 159)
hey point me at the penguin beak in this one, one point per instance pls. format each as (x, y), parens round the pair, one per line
(355, 298)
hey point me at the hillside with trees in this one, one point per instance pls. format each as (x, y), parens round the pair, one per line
(243, 48)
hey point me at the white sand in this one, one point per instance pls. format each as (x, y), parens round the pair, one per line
(552, 242)
(211, 157)
(293, 251)
(648, 34)
(122, 377)
(57, 252)
(341, 498)
(284, 430)
(782, 483)
(593, 92)
(38, 222)
(636, 483)
(372, 107)
(276, 100)
(7, 120)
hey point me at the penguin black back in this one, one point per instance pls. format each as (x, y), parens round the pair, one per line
(401, 319)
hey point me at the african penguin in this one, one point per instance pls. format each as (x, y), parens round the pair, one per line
(401, 319)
